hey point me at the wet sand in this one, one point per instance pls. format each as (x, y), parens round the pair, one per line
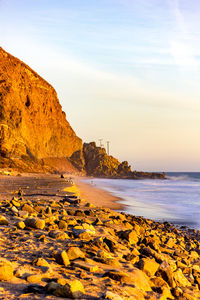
(97, 196)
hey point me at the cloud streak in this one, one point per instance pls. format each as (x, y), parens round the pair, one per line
(182, 44)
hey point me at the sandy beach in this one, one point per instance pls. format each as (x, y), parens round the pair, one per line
(97, 196)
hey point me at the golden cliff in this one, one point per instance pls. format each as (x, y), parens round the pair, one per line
(32, 123)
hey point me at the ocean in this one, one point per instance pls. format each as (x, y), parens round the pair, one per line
(176, 199)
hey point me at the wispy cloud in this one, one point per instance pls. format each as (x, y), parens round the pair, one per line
(181, 44)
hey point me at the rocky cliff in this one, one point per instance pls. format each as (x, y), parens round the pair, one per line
(32, 122)
(96, 162)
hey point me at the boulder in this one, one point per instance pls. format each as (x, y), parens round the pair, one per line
(73, 290)
(149, 266)
(35, 223)
(62, 258)
(137, 277)
(85, 266)
(62, 225)
(6, 270)
(58, 235)
(180, 279)
(28, 208)
(21, 225)
(40, 262)
(74, 253)
(129, 235)
(34, 278)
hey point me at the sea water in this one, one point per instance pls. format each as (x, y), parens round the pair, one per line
(176, 199)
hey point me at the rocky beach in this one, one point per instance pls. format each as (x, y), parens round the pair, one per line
(61, 238)
(56, 244)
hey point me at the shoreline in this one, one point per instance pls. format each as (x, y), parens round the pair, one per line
(98, 196)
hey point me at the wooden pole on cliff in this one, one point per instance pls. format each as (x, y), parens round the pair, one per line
(108, 147)
(100, 141)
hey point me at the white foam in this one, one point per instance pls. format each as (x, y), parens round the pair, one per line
(176, 199)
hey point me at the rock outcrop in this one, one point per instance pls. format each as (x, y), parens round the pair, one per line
(32, 122)
(96, 162)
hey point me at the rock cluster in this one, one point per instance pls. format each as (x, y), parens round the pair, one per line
(68, 248)
(96, 162)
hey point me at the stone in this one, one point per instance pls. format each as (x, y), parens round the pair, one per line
(14, 210)
(71, 222)
(19, 272)
(35, 223)
(110, 243)
(166, 293)
(84, 234)
(159, 282)
(149, 266)
(73, 289)
(74, 253)
(62, 258)
(88, 204)
(15, 202)
(21, 225)
(6, 270)
(85, 266)
(62, 225)
(34, 278)
(166, 273)
(137, 277)
(130, 235)
(33, 288)
(23, 214)
(180, 279)
(62, 281)
(110, 261)
(28, 208)
(88, 226)
(40, 262)
(111, 296)
(48, 210)
(3, 221)
(103, 254)
(51, 287)
(58, 235)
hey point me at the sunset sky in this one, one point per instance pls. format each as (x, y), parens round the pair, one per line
(127, 71)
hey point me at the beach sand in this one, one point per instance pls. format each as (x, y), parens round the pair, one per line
(97, 196)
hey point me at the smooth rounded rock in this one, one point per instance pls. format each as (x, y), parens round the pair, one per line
(6, 270)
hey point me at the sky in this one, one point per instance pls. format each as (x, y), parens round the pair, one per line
(126, 71)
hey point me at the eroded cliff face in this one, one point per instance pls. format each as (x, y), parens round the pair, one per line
(32, 122)
(98, 163)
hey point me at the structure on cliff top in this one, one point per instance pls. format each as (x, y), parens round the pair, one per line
(32, 122)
